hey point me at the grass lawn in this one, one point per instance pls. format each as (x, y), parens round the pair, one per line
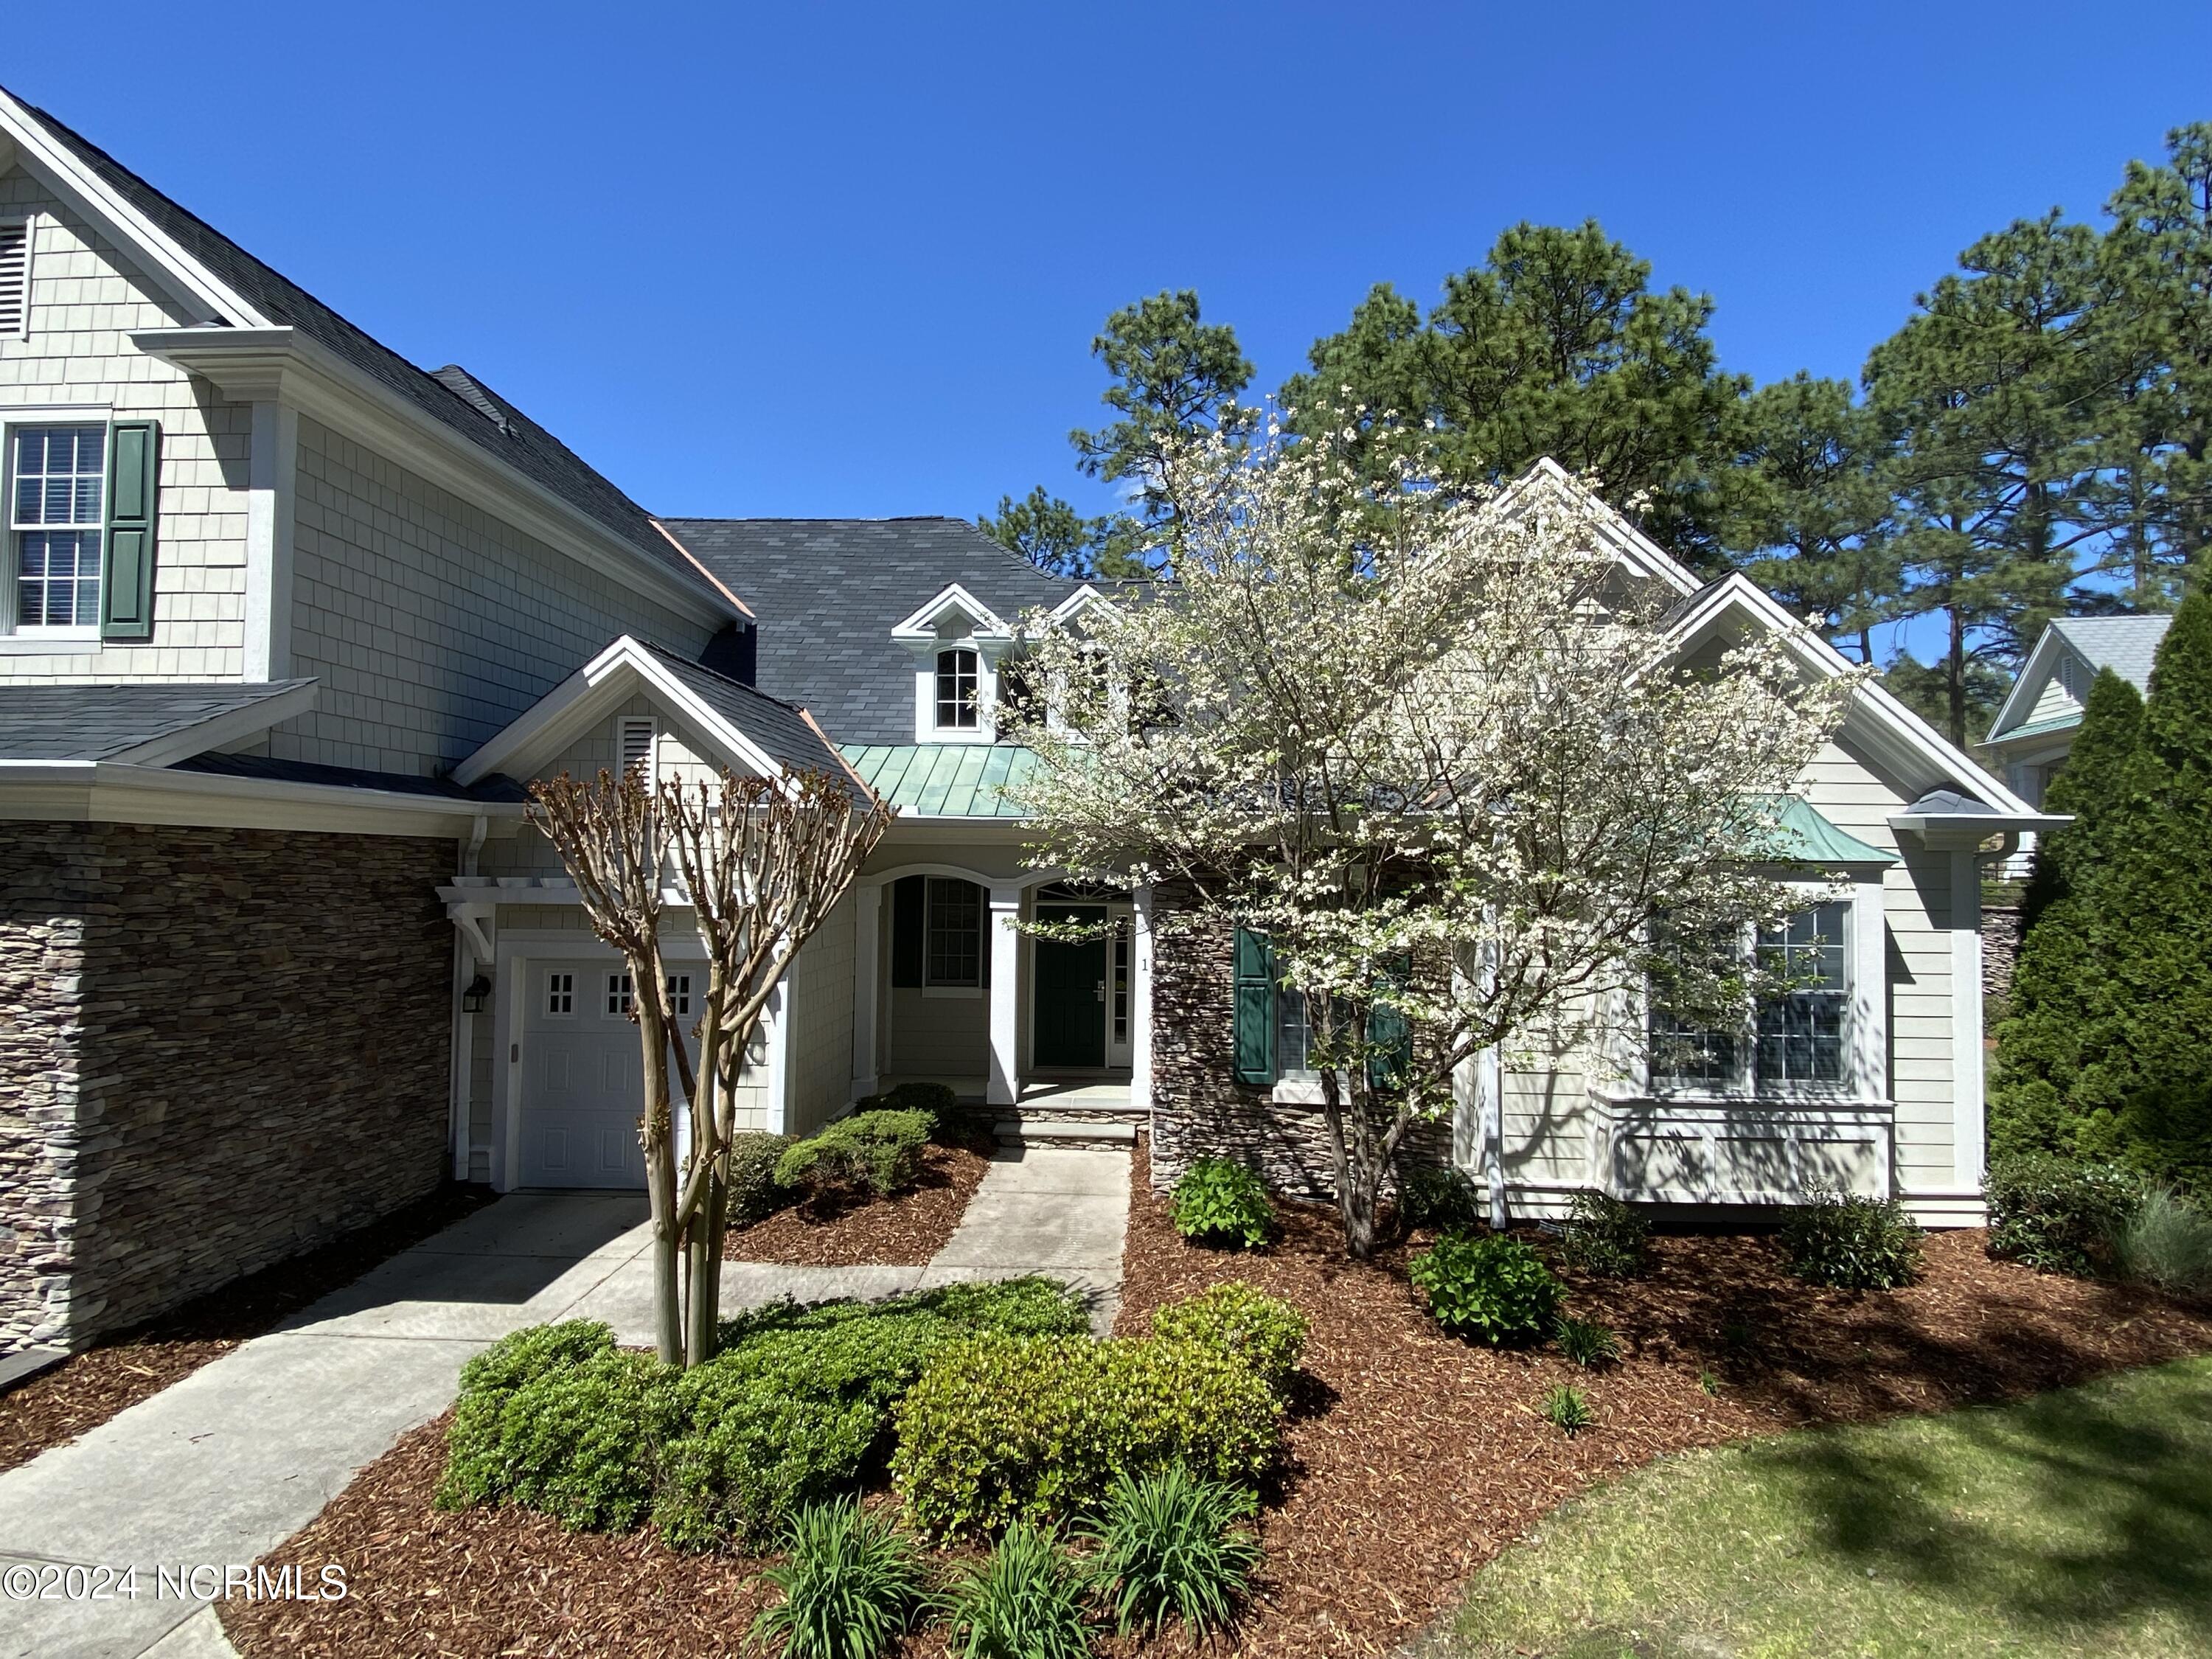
(2078, 1521)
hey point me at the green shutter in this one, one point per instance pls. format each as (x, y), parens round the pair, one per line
(134, 475)
(1390, 1038)
(1255, 1008)
(906, 931)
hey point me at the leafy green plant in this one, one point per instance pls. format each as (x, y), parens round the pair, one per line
(1027, 1600)
(554, 1419)
(2060, 1214)
(1003, 1428)
(1495, 1289)
(755, 1193)
(1566, 1408)
(1586, 1342)
(1438, 1198)
(1852, 1243)
(2165, 1241)
(1169, 1547)
(1221, 1203)
(1265, 1332)
(870, 1154)
(1604, 1237)
(851, 1587)
(1708, 1381)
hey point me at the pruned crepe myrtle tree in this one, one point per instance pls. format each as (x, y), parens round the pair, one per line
(763, 861)
(1439, 751)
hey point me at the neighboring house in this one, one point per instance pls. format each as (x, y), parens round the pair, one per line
(291, 624)
(2034, 731)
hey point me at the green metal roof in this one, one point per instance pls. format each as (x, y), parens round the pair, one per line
(2057, 723)
(943, 779)
(1811, 838)
(967, 780)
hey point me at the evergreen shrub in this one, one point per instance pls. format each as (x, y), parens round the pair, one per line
(1604, 1237)
(869, 1154)
(1852, 1243)
(1236, 1319)
(2060, 1214)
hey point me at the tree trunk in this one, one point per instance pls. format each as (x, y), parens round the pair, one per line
(659, 1145)
(1356, 1151)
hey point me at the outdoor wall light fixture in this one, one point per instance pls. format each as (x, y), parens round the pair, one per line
(473, 999)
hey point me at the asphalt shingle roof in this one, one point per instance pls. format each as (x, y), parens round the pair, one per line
(452, 396)
(774, 724)
(827, 592)
(2126, 644)
(97, 722)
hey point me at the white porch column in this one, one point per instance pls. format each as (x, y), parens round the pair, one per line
(1966, 1102)
(868, 921)
(1006, 1088)
(271, 464)
(1140, 995)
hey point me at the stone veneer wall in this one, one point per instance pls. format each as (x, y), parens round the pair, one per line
(1199, 1108)
(221, 1047)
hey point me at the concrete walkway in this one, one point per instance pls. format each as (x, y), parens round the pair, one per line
(219, 1468)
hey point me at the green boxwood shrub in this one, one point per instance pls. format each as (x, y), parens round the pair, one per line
(556, 1419)
(1222, 1203)
(2058, 1213)
(1494, 1289)
(869, 1154)
(934, 1098)
(1852, 1243)
(1604, 1237)
(1265, 1332)
(1001, 1428)
(755, 1193)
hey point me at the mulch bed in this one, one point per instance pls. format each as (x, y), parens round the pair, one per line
(901, 1231)
(1413, 1458)
(83, 1391)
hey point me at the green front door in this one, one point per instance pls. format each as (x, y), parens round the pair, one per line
(1070, 1016)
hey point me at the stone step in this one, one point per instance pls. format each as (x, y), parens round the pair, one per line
(1028, 1130)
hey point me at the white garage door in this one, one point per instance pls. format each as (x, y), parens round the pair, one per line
(583, 1084)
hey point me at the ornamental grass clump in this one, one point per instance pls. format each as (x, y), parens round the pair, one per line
(1001, 1428)
(1586, 1342)
(1566, 1408)
(1604, 1237)
(852, 1586)
(2165, 1241)
(1493, 1289)
(1027, 1601)
(1168, 1546)
(1265, 1332)
(1851, 1242)
(1223, 1204)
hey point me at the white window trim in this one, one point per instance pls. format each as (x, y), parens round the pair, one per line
(928, 906)
(1866, 1024)
(30, 224)
(989, 653)
(39, 640)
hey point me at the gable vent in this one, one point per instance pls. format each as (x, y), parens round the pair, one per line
(15, 276)
(634, 740)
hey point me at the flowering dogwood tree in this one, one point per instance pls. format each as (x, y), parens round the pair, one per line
(762, 862)
(1442, 750)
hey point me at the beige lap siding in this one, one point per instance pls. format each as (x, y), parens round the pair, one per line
(1916, 907)
(259, 1059)
(86, 300)
(819, 1049)
(430, 623)
(1547, 1117)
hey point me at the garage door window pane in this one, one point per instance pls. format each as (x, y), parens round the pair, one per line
(679, 993)
(560, 993)
(619, 994)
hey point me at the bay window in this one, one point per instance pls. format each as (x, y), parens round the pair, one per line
(1797, 1041)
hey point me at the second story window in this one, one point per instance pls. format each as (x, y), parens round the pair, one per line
(956, 690)
(54, 519)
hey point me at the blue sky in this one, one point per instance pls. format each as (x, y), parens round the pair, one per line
(798, 260)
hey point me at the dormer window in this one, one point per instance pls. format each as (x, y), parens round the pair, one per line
(958, 690)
